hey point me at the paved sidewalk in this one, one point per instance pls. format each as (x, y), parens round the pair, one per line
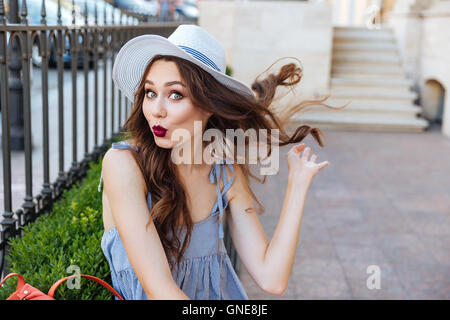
(384, 200)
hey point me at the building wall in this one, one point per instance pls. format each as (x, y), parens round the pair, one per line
(217, 17)
(424, 43)
(435, 53)
(257, 33)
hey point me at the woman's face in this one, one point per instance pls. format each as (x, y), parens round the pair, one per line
(167, 104)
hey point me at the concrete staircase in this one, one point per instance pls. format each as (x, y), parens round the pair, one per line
(367, 70)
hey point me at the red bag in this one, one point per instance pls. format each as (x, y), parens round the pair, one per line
(26, 292)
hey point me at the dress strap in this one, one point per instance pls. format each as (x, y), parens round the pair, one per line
(214, 177)
(116, 145)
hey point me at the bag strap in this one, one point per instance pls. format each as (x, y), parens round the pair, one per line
(20, 283)
(52, 290)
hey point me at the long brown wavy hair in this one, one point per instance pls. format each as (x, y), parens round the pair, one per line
(230, 110)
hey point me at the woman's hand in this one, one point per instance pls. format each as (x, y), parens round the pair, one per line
(301, 168)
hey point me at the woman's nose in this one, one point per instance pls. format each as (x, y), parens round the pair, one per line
(159, 108)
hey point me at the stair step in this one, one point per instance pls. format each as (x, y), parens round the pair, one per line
(383, 28)
(369, 82)
(379, 70)
(369, 76)
(362, 30)
(356, 47)
(390, 90)
(374, 94)
(381, 104)
(362, 123)
(355, 109)
(361, 106)
(366, 58)
(360, 63)
(363, 36)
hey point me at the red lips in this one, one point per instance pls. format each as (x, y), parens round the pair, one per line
(159, 131)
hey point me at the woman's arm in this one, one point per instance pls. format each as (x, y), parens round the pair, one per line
(270, 263)
(124, 186)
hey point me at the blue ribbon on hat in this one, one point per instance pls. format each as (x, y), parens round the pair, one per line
(199, 56)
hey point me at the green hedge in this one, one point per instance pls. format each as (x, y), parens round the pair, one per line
(69, 235)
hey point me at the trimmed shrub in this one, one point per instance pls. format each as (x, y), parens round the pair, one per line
(69, 235)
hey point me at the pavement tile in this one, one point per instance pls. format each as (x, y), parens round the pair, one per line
(438, 246)
(426, 281)
(352, 234)
(390, 289)
(325, 287)
(342, 216)
(317, 267)
(314, 233)
(386, 221)
(355, 260)
(423, 202)
(429, 222)
(316, 250)
(254, 292)
(410, 257)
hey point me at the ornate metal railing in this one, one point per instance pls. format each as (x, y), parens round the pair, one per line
(92, 49)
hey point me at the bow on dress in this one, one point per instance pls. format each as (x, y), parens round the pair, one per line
(214, 177)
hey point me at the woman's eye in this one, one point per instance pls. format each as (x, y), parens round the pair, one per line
(174, 95)
(148, 93)
(177, 94)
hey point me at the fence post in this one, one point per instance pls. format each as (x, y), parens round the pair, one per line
(47, 192)
(74, 172)
(29, 208)
(7, 223)
(86, 64)
(15, 86)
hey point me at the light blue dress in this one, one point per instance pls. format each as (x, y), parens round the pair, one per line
(205, 271)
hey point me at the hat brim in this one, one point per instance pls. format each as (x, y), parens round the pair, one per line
(134, 56)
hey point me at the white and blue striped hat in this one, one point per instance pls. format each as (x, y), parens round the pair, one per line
(188, 41)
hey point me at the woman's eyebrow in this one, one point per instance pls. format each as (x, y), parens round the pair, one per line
(167, 84)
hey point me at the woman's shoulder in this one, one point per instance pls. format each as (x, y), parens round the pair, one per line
(119, 153)
(119, 166)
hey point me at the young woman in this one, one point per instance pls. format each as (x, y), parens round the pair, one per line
(163, 221)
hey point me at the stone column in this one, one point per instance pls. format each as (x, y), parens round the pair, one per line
(406, 22)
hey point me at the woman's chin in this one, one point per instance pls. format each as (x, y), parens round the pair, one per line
(163, 142)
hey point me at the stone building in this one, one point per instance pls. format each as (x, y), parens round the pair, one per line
(421, 28)
(391, 58)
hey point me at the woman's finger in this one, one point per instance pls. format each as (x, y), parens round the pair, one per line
(323, 164)
(305, 155)
(298, 148)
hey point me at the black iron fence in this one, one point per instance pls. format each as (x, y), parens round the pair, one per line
(86, 50)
